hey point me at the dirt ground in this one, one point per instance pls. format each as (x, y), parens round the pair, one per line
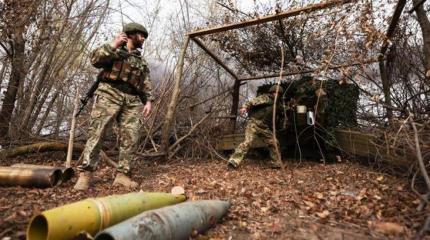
(308, 201)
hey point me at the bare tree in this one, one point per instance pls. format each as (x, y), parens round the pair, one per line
(424, 22)
(47, 47)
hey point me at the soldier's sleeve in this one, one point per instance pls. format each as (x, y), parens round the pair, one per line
(284, 106)
(104, 56)
(254, 102)
(147, 86)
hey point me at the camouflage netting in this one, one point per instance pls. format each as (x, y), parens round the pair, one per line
(342, 104)
(337, 109)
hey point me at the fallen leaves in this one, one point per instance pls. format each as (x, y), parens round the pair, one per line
(323, 214)
(319, 195)
(388, 228)
(265, 202)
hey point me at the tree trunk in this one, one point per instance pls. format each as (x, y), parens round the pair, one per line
(24, 94)
(17, 75)
(425, 28)
(38, 89)
(38, 109)
(172, 105)
(46, 114)
(60, 115)
(35, 148)
(386, 85)
(385, 80)
(45, 73)
(3, 72)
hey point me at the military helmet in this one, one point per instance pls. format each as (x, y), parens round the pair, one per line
(273, 89)
(135, 27)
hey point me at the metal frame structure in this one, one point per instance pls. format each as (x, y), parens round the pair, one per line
(194, 36)
(256, 21)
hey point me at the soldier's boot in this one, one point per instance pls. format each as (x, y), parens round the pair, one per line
(233, 164)
(123, 180)
(275, 164)
(84, 181)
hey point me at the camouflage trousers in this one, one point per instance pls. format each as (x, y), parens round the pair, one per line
(255, 129)
(111, 104)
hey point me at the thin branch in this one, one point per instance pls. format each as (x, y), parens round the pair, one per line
(5, 49)
(187, 135)
(420, 156)
(416, 6)
(275, 140)
(235, 10)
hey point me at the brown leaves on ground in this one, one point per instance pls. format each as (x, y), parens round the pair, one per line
(387, 227)
(317, 201)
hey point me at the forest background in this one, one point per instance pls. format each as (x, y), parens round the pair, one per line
(44, 48)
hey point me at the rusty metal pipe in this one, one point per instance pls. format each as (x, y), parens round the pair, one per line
(66, 172)
(27, 177)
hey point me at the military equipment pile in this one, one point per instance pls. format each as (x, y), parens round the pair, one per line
(91, 216)
(29, 175)
(333, 102)
(334, 98)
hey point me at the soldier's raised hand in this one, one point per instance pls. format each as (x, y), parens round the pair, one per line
(119, 40)
(243, 111)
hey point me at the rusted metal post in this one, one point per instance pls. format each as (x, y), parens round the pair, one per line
(214, 57)
(235, 105)
(173, 101)
(176, 222)
(270, 18)
(331, 67)
(27, 177)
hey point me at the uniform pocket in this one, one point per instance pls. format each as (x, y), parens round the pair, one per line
(95, 113)
(115, 71)
(125, 71)
(135, 77)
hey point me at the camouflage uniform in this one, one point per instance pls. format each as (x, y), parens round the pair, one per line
(124, 87)
(259, 126)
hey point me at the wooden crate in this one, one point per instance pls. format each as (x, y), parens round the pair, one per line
(231, 141)
(362, 144)
(349, 141)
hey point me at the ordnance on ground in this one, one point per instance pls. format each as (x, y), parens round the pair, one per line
(93, 215)
(66, 172)
(28, 177)
(180, 221)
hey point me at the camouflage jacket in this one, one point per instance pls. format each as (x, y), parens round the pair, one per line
(261, 108)
(128, 71)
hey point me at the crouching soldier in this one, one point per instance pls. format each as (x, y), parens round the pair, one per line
(123, 95)
(259, 125)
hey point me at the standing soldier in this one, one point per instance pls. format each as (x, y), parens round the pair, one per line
(123, 95)
(259, 125)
